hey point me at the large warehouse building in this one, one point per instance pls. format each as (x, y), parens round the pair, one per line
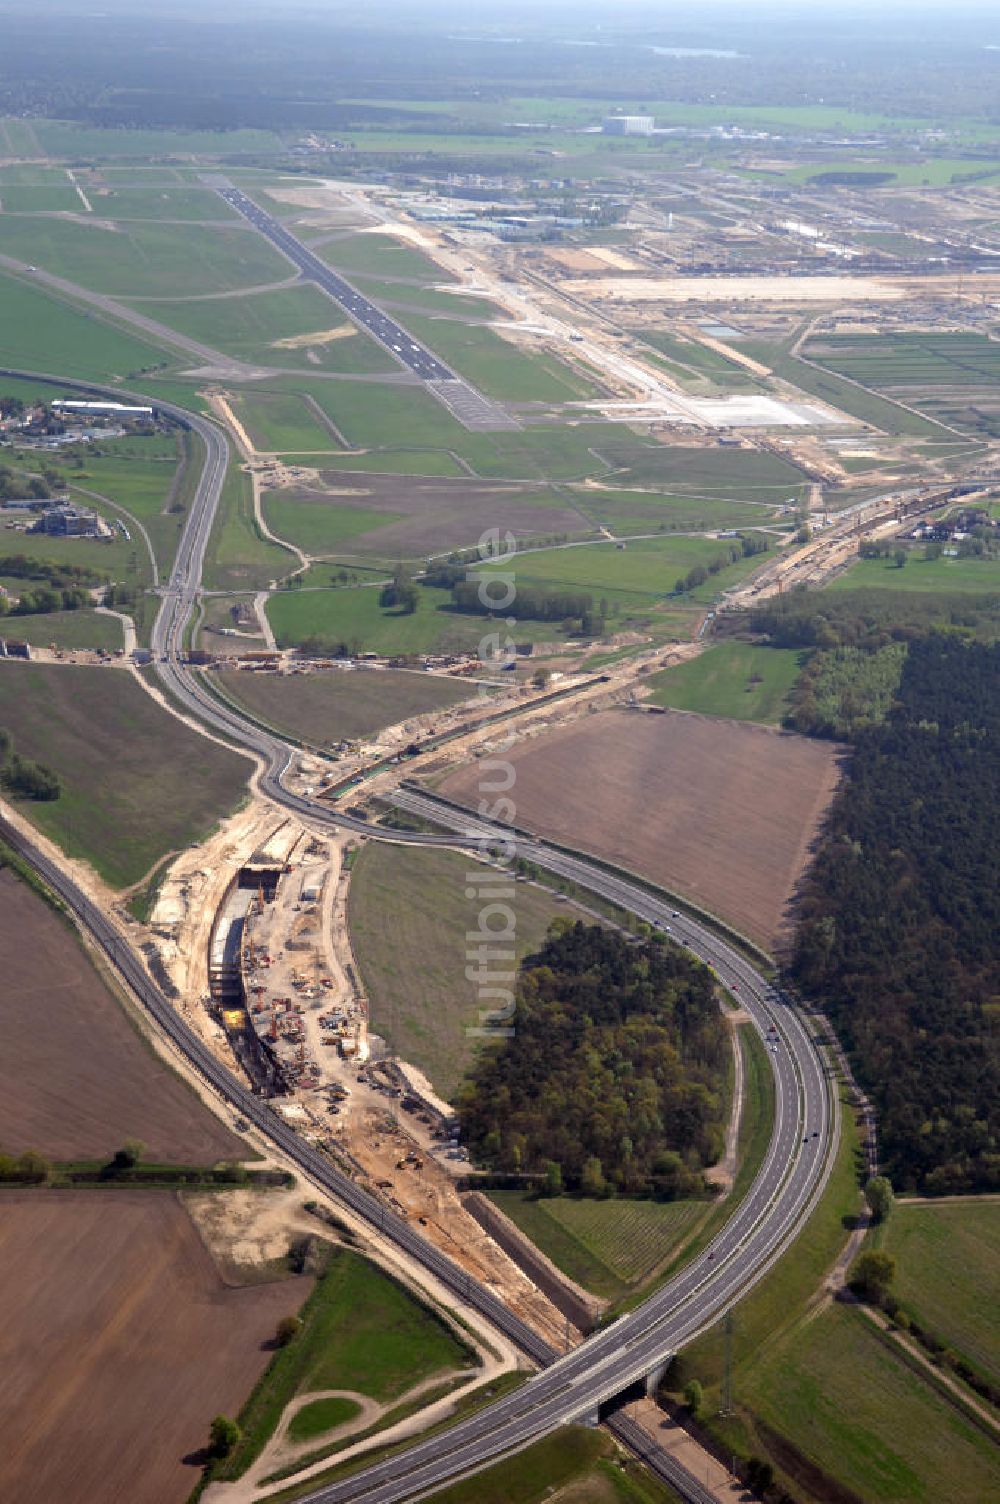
(101, 409)
(627, 125)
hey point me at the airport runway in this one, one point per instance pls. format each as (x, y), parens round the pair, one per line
(473, 410)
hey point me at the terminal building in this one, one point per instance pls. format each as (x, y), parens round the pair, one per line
(627, 125)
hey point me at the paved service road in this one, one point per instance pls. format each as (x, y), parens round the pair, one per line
(571, 1387)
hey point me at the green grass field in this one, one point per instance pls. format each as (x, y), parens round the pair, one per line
(137, 783)
(855, 401)
(568, 451)
(122, 200)
(637, 575)
(353, 615)
(931, 172)
(145, 257)
(372, 415)
(644, 511)
(698, 364)
(408, 915)
(321, 528)
(609, 1247)
(321, 1416)
(426, 299)
(250, 328)
(62, 138)
(30, 174)
(127, 480)
(579, 110)
(390, 462)
(65, 629)
(398, 418)
(573, 1466)
(278, 423)
(51, 199)
(332, 706)
(866, 1419)
(145, 483)
(108, 558)
(742, 474)
(970, 576)
(238, 557)
(40, 333)
(735, 679)
(948, 1274)
(363, 1332)
(497, 367)
(381, 256)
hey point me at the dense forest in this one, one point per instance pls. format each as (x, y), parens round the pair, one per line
(864, 618)
(841, 690)
(900, 914)
(307, 67)
(613, 1079)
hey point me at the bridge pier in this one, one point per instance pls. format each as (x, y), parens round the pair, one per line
(656, 1376)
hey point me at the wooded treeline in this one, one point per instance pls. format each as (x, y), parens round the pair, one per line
(614, 1076)
(899, 917)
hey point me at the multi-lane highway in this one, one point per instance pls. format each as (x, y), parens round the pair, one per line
(761, 1227)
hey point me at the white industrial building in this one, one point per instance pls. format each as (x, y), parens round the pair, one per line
(102, 409)
(627, 125)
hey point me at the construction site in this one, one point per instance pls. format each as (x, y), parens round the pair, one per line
(283, 1002)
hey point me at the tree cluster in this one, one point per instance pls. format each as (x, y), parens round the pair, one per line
(23, 776)
(28, 1168)
(899, 916)
(400, 592)
(45, 600)
(15, 487)
(613, 1077)
(58, 576)
(843, 689)
(532, 602)
(745, 546)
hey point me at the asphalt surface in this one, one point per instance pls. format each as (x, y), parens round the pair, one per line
(572, 1387)
(463, 401)
(408, 351)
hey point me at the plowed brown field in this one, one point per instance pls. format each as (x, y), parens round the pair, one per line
(118, 1344)
(75, 1077)
(721, 811)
